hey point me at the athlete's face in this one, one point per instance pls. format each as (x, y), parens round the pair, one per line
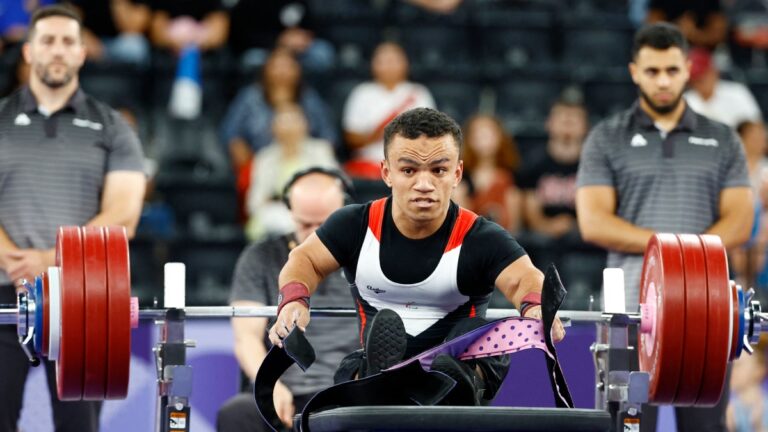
(422, 173)
(55, 51)
(660, 76)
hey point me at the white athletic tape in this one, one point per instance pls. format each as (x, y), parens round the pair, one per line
(175, 279)
(54, 312)
(613, 291)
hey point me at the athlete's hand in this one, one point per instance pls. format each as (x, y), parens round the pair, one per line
(558, 331)
(283, 400)
(293, 314)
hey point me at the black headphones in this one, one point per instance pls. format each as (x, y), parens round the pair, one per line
(346, 184)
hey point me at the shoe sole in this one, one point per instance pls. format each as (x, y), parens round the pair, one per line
(386, 341)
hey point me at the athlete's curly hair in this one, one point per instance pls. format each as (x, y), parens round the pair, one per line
(422, 121)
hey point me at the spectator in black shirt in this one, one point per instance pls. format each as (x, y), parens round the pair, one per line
(548, 181)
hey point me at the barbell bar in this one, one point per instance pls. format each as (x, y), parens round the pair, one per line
(692, 319)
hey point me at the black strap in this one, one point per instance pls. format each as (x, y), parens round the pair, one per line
(297, 349)
(552, 295)
(406, 385)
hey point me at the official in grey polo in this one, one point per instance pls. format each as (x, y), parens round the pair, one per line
(65, 159)
(659, 166)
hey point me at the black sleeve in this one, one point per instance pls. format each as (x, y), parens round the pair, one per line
(343, 233)
(487, 250)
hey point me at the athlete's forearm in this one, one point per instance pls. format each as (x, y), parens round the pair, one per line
(530, 282)
(300, 268)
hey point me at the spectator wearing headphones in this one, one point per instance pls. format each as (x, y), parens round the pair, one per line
(312, 195)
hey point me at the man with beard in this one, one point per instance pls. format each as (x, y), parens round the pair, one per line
(65, 159)
(661, 167)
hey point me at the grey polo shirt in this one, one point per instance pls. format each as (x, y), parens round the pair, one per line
(255, 279)
(664, 182)
(52, 167)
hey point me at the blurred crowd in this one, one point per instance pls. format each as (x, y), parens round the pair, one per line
(283, 85)
(276, 86)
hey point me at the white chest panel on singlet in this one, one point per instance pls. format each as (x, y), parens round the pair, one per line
(420, 304)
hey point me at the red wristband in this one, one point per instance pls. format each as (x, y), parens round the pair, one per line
(291, 292)
(529, 300)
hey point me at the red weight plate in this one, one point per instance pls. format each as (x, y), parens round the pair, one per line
(663, 282)
(119, 329)
(95, 267)
(695, 329)
(735, 318)
(719, 322)
(69, 367)
(46, 317)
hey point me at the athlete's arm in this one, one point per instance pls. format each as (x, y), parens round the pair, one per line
(521, 278)
(308, 264)
(736, 216)
(598, 223)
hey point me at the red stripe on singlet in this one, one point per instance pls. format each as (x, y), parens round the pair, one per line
(376, 217)
(464, 222)
(363, 320)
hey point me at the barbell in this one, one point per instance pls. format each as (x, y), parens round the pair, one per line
(692, 319)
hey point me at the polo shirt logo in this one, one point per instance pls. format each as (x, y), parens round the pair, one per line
(22, 120)
(709, 142)
(87, 124)
(638, 141)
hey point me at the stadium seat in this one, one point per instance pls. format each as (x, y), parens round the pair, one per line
(606, 93)
(595, 41)
(435, 46)
(459, 99)
(513, 36)
(527, 97)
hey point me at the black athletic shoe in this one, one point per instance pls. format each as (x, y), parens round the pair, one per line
(466, 391)
(386, 342)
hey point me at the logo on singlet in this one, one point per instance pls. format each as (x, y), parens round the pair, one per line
(375, 290)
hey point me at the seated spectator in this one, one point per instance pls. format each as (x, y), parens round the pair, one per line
(490, 159)
(725, 101)
(292, 150)
(14, 19)
(371, 105)
(178, 24)
(258, 26)
(247, 125)
(748, 407)
(313, 198)
(702, 22)
(548, 181)
(114, 30)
